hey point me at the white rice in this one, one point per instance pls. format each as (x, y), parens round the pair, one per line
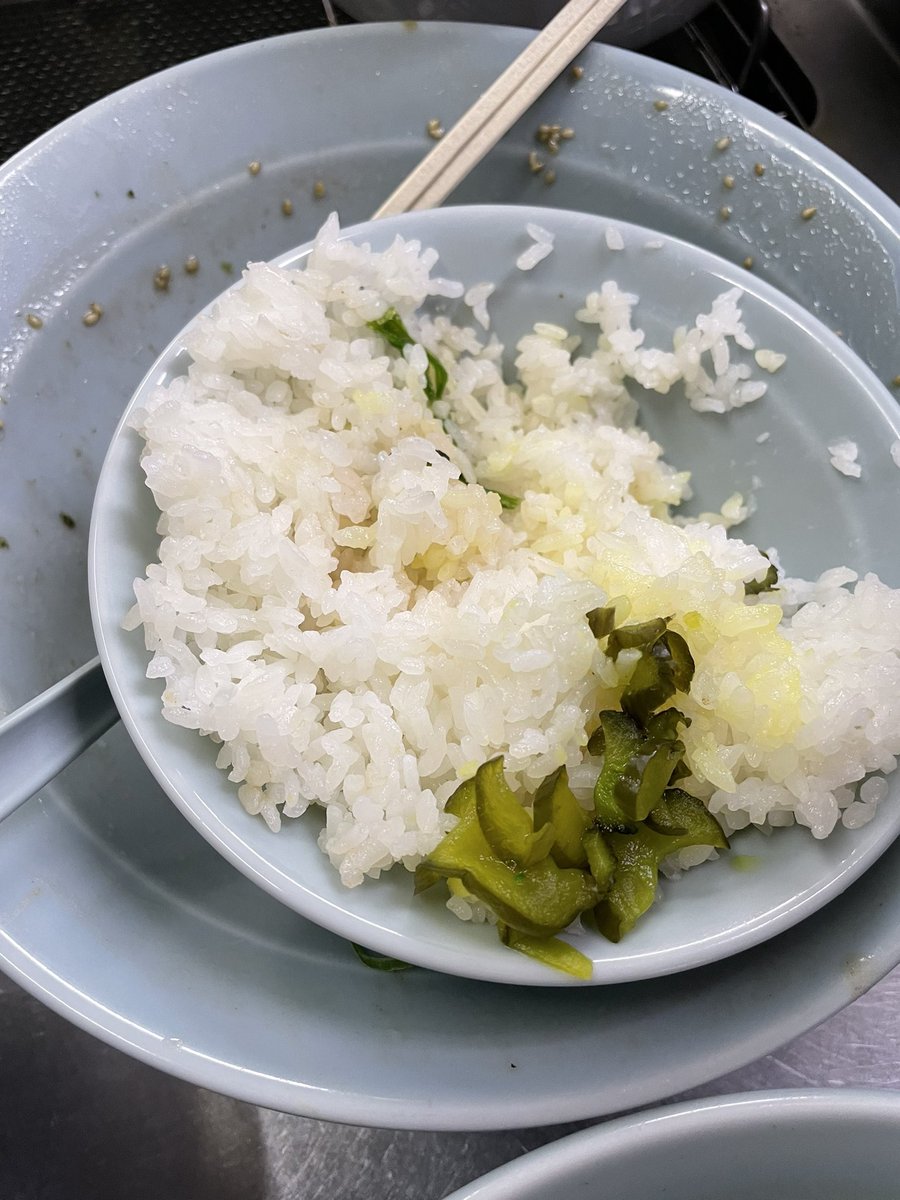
(843, 455)
(476, 298)
(360, 629)
(770, 360)
(614, 239)
(541, 247)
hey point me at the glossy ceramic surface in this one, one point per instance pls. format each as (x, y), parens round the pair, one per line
(805, 1145)
(112, 909)
(822, 393)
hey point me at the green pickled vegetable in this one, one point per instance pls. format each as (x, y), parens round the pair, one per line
(602, 621)
(638, 765)
(664, 668)
(679, 810)
(462, 799)
(601, 859)
(379, 962)
(550, 951)
(556, 806)
(539, 899)
(633, 888)
(639, 854)
(506, 825)
(767, 584)
(665, 665)
(395, 333)
(619, 739)
(641, 785)
(636, 637)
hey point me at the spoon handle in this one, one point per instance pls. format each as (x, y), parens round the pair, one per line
(46, 734)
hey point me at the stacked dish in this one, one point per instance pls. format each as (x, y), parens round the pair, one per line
(794, 874)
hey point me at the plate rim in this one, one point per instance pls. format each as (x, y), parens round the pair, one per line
(675, 1123)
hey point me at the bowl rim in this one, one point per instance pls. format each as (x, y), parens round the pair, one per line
(737, 1114)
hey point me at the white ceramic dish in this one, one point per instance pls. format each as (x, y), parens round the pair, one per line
(803, 1145)
(807, 512)
(112, 909)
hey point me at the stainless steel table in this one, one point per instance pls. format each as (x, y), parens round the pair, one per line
(79, 1119)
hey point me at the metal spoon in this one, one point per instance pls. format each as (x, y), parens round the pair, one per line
(43, 736)
(47, 733)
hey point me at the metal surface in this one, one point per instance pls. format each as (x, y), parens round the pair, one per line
(79, 1119)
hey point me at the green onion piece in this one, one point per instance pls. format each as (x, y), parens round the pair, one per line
(379, 962)
(556, 806)
(435, 378)
(395, 333)
(550, 951)
(505, 501)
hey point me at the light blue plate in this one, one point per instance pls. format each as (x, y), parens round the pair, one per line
(816, 518)
(112, 909)
(804, 1145)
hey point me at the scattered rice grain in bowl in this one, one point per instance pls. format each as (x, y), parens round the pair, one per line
(383, 567)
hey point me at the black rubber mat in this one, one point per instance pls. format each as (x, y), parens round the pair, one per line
(60, 55)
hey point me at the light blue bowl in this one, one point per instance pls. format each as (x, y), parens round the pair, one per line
(805, 1145)
(816, 517)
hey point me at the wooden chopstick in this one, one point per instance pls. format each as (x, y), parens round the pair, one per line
(480, 128)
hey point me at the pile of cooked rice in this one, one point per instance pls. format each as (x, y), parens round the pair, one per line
(360, 628)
